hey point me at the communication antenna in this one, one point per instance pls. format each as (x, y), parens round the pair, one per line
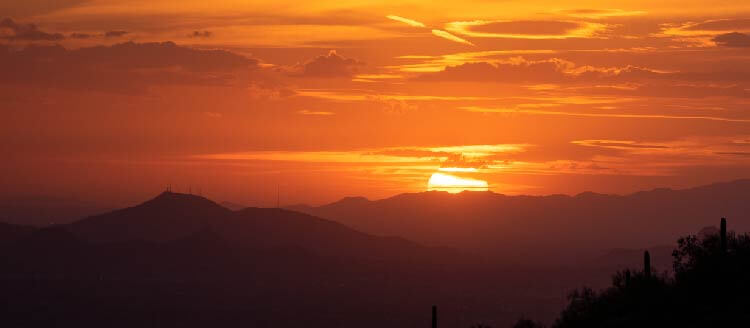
(278, 195)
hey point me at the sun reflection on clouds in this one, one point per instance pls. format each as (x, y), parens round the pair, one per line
(455, 184)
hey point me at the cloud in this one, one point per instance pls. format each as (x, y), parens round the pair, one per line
(201, 34)
(736, 153)
(617, 144)
(80, 35)
(616, 78)
(406, 21)
(600, 13)
(36, 7)
(115, 34)
(527, 29)
(600, 114)
(548, 71)
(435, 32)
(125, 67)
(331, 65)
(719, 25)
(448, 36)
(706, 28)
(733, 39)
(315, 113)
(11, 30)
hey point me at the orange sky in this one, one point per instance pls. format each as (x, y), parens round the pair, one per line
(115, 99)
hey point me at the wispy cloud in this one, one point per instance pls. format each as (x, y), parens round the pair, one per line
(313, 112)
(367, 95)
(406, 21)
(448, 36)
(601, 13)
(528, 29)
(436, 32)
(605, 115)
(618, 144)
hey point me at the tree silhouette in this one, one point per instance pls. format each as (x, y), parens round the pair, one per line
(527, 323)
(709, 288)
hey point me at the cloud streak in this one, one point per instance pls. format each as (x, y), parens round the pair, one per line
(407, 21)
(603, 115)
(451, 37)
(436, 32)
(527, 29)
(11, 30)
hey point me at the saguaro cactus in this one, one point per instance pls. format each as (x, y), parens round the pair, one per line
(647, 264)
(723, 235)
(434, 316)
(627, 278)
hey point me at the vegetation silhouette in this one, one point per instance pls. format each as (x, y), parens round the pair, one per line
(709, 287)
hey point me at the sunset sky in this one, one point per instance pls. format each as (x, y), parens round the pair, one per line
(113, 100)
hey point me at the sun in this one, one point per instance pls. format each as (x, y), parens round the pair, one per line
(454, 184)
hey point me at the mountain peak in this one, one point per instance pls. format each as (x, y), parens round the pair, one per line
(168, 216)
(353, 199)
(168, 199)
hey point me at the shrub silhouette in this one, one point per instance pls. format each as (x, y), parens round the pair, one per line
(710, 287)
(527, 323)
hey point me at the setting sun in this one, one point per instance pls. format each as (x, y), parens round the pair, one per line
(454, 184)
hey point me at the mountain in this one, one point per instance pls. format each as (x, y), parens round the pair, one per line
(555, 226)
(172, 216)
(233, 206)
(10, 233)
(47, 210)
(184, 260)
(167, 217)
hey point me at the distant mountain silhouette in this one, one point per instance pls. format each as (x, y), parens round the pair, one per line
(46, 210)
(521, 226)
(172, 216)
(183, 260)
(233, 206)
(166, 217)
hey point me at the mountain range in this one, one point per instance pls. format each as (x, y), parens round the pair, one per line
(184, 260)
(549, 227)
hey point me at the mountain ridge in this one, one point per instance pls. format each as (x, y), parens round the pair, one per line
(495, 223)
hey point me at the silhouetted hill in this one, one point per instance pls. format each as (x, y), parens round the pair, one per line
(11, 233)
(166, 217)
(183, 260)
(233, 206)
(46, 210)
(172, 216)
(519, 226)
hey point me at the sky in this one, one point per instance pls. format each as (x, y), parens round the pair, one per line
(307, 102)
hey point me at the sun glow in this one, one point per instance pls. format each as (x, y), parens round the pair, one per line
(454, 184)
